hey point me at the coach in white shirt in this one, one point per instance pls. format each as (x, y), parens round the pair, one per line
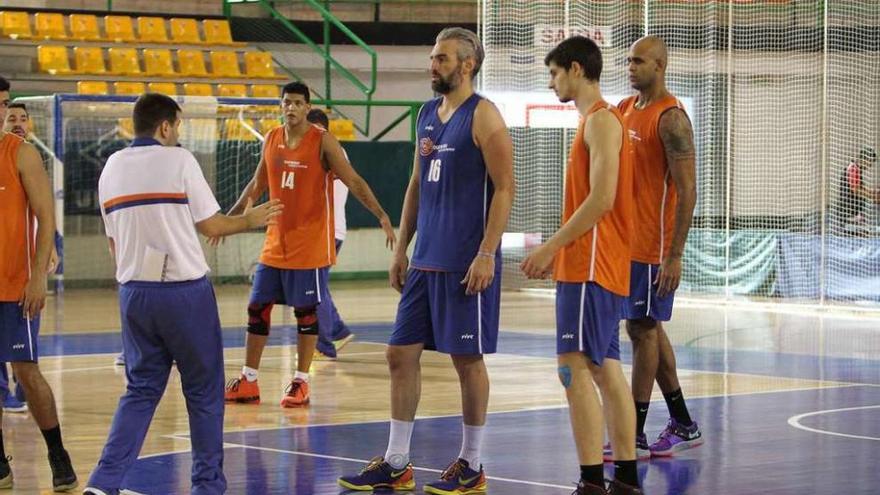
(154, 199)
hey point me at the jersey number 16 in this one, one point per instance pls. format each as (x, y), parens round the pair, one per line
(434, 171)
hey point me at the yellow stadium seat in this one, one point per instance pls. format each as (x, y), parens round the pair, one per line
(185, 31)
(84, 27)
(119, 28)
(197, 89)
(268, 124)
(128, 88)
(165, 88)
(235, 130)
(191, 63)
(50, 26)
(89, 60)
(343, 129)
(157, 62)
(217, 32)
(152, 30)
(259, 64)
(232, 90)
(265, 91)
(92, 88)
(53, 59)
(124, 62)
(224, 63)
(15, 25)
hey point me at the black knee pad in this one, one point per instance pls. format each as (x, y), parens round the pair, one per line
(259, 317)
(306, 321)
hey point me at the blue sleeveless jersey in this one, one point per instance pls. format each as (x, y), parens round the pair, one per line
(454, 190)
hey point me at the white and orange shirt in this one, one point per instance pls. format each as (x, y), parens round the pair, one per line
(151, 198)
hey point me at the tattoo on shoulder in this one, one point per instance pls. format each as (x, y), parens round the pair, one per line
(676, 133)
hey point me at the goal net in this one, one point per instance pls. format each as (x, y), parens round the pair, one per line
(783, 96)
(77, 133)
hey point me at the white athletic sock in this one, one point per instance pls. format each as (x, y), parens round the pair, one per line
(302, 376)
(249, 373)
(471, 444)
(397, 454)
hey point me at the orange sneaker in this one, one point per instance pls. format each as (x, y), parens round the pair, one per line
(242, 391)
(296, 394)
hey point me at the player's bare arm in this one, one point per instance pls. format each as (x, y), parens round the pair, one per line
(493, 140)
(220, 225)
(36, 185)
(254, 188)
(677, 136)
(407, 229)
(603, 136)
(337, 162)
(252, 192)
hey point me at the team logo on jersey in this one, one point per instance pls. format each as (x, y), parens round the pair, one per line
(294, 164)
(426, 146)
(634, 135)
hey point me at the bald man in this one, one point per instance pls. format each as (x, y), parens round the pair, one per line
(665, 193)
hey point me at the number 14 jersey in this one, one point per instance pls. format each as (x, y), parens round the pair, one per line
(303, 237)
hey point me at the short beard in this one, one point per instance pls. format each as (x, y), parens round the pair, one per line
(442, 86)
(446, 86)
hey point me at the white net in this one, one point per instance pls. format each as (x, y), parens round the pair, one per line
(83, 131)
(783, 96)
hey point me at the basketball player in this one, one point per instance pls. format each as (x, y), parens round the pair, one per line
(298, 164)
(459, 199)
(665, 193)
(335, 335)
(16, 122)
(591, 252)
(154, 199)
(853, 195)
(27, 236)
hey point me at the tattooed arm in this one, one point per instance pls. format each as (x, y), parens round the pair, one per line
(678, 143)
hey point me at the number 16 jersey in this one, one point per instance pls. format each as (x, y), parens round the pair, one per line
(455, 190)
(302, 238)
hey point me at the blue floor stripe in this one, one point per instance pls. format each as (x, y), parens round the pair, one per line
(530, 344)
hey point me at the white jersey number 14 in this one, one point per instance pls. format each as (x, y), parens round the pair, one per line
(287, 180)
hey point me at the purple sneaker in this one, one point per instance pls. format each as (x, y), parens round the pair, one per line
(643, 452)
(675, 438)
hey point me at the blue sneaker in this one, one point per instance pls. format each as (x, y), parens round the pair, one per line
(459, 479)
(12, 405)
(380, 474)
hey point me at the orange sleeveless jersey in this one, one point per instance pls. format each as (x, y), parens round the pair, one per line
(17, 230)
(303, 238)
(655, 194)
(602, 255)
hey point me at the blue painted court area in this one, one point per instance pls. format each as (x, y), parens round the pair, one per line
(814, 441)
(531, 344)
(749, 448)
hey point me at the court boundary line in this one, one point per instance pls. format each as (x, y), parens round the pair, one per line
(794, 422)
(179, 435)
(366, 461)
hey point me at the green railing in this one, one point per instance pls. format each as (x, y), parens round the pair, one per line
(330, 63)
(411, 111)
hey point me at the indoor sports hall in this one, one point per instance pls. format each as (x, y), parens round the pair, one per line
(776, 326)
